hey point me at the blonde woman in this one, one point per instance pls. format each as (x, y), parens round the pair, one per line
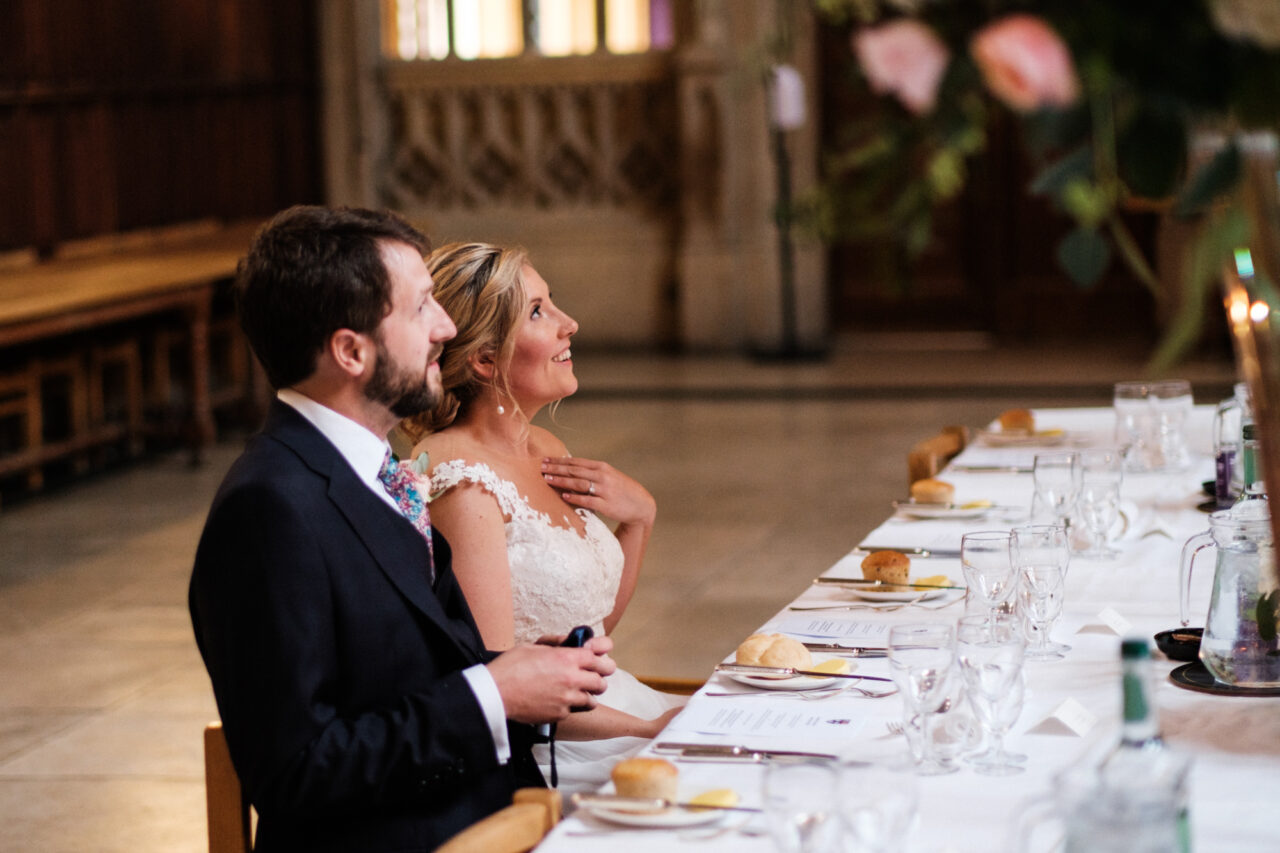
(531, 554)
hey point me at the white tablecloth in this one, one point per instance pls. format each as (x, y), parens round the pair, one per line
(1235, 742)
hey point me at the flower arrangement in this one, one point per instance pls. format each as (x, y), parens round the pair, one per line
(1107, 95)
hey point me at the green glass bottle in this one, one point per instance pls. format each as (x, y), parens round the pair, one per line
(1142, 773)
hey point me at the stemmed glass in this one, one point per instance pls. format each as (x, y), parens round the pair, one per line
(1057, 484)
(878, 805)
(1101, 473)
(920, 661)
(800, 803)
(1041, 553)
(986, 558)
(990, 651)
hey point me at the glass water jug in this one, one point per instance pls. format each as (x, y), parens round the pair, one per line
(1240, 645)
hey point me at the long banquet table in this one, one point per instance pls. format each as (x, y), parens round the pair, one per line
(1234, 741)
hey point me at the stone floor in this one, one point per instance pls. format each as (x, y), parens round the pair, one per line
(764, 472)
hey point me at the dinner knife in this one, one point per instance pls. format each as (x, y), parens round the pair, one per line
(751, 669)
(888, 586)
(991, 469)
(848, 651)
(731, 751)
(923, 553)
(641, 805)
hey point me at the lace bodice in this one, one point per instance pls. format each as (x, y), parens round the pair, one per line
(559, 578)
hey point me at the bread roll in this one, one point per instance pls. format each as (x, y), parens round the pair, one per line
(931, 491)
(773, 650)
(886, 567)
(1017, 420)
(645, 777)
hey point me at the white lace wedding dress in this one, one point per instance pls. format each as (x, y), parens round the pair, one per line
(560, 579)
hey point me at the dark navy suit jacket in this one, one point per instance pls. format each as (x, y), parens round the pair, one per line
(336, 667)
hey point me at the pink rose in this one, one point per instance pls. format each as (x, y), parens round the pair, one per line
(905, 58)
(1025, 63)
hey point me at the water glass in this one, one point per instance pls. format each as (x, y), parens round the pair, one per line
(1098, 502)
(990, 652)
(1151, 422)
(921, 659)
(1057, 484)
(800, 804)
(1041, 553)
(878, 806)
(986, 558)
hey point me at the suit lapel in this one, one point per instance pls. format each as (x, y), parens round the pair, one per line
(396, 546)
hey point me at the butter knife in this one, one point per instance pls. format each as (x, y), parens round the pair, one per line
(641, 805)
(847, 651)
(726, 750)
(923, 553)
(862, 582)
(750, 669)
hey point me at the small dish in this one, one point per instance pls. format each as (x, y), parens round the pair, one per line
(1021, 438)
(912, 509)
(790, 682)
(913, 594)
(669, 818)
(1180, 644)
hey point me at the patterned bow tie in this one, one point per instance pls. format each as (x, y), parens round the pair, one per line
(400, 483)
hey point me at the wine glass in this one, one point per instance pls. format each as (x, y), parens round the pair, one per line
(1041, 553)
(990, 651)
(920, 660)
(1098, 503)
(1057, 483)
(878, 805)
(986, 559)
(800, 803)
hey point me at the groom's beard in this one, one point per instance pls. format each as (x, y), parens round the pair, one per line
(401, 390)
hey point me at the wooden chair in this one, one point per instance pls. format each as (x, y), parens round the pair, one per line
(518, 828)
(930, 456)
(229, 821)
(678, 686)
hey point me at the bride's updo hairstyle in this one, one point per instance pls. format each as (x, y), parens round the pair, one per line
(481, 288)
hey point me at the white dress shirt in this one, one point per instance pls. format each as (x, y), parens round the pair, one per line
(364, 452)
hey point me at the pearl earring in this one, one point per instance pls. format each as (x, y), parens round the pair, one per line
(501, 410)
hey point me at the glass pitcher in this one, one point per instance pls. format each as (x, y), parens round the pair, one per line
(1240, 645)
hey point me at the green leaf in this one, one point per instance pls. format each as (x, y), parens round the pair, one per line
(1084, 254)
(1052, 180)
(1088, 203)
(1210, 181)
(1268, 605)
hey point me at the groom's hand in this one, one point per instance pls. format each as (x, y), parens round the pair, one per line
(539, 683)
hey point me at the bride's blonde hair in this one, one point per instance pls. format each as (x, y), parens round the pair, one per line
(481, 287)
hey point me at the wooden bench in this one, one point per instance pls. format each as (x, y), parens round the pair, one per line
(85, 312)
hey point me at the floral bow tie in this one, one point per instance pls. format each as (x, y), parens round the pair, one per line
(401, 482)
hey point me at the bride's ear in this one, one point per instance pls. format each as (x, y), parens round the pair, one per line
(484, 363)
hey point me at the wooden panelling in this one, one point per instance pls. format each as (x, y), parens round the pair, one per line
(125, 114)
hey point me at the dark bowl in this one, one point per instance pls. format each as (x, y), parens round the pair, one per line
(1180, 644)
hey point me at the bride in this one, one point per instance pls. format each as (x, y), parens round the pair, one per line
(518, 510)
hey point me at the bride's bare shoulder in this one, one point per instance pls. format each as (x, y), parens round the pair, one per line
(543, 442)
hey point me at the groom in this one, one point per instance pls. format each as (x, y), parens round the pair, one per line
(360, 706)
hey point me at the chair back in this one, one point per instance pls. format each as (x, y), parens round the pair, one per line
(930, 456)
(228, 812)
(518, 828)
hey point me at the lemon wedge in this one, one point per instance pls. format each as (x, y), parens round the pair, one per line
(716, 797)
(1048, 433)
(976, 505)
(933, 580)
(838, 666)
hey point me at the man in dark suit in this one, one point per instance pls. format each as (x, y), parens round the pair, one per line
(360, 707)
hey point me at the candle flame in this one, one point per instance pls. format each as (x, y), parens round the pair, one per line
(1258, 311)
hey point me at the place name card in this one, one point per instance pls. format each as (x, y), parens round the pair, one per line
(1070, 716)
(1117, 623)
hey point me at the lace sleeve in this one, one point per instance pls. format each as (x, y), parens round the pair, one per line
(455, 472)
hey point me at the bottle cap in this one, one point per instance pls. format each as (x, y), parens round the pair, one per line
(1247, 432)
(1134, 648)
